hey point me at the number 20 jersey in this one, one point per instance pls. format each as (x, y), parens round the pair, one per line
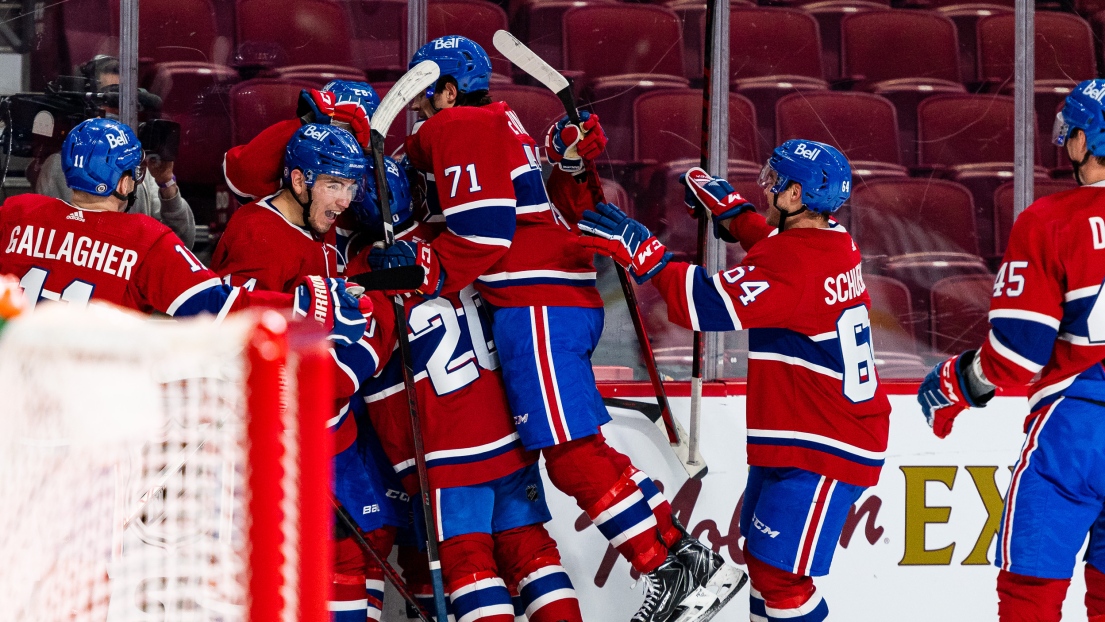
(1047, 314)
(814, 400)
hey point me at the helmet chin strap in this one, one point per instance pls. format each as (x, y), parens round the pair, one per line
(306, 210)
(1078, 167)
(129, 197)
(783, 214)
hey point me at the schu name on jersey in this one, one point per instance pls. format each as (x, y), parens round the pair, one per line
(844, 286)
(83, 251)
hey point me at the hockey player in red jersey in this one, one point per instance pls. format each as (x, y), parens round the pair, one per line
(93, 250)
(517, 244)
(485, 487)
(272, 243)
(817, 419)
(1047, 331)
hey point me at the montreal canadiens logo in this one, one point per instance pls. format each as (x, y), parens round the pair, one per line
(101, 188)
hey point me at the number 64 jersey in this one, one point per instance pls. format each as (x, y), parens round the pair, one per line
(814, 400)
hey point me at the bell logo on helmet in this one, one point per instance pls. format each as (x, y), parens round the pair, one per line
(115, 140)
(1095, 90)
(315, 133)
(445, 43)
(806, 152)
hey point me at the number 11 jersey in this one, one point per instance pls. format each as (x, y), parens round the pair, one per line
(814, 400)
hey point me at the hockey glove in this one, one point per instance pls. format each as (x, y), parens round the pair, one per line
(404, 253)
(714, 195)
(327, 302)
(315, 106)
(610, 232)
(945, 392)
(567, 145)
(354, 115)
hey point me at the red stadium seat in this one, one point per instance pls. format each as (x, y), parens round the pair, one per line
(320, 74)
(476, 19)
(829, 14)
(959, 309)
(966, 18)
(1003, 206)
(303, 33)
(598, 43)
(1064, 57)
(613, 101)
(892, 317)
(540, 23)
(536, 107)
(863, 126)
(176, 30)
(257, 104)
(379, 37)
(773, 52)
(920, 60)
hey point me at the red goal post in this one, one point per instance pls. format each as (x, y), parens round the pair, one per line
(163, 470)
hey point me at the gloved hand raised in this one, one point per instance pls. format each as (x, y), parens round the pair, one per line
(567, 145)
(327, 302)
(610, 232)
(714, 195)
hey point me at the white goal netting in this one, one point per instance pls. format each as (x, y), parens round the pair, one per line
(125, 469)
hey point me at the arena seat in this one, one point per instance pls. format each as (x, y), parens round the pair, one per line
(176, 30)
(966, 16)
(598, 43)
(667, 131)
(536, 107)
(475, 19)
(320, 74)
(829, 14)
(258, 103)
(918, 231)
(920, 60)
(1003, 206)
(1064, 57)
(862, 125)
(540, 24)
(773, 52)
(304, 32)
(959, 309)
(613, 101)
(892, 317)
(379, 30)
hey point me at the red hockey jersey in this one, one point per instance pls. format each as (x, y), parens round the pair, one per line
(503, 233)
(62, 252)
(1047, 315)
(466, 422)
(256, 169)
(262, 249)
(814, 400)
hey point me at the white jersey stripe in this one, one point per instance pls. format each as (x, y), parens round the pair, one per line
(806, 527)
(191, 291)
(464, 207)
(497, 277)
(1012, 356)
(728, 300)
(793, 360)
(817, 438)
(552, 373)
(1021, 314)
(692, 312)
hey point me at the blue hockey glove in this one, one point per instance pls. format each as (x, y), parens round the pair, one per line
(945, 392)
(714, 195)
(327, 302)
(613, 234)
(404, 253)
(567, 145)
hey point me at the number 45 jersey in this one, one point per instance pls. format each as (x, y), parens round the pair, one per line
(814, 400)
(1047, 314)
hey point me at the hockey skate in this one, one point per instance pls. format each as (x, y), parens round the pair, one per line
(709, 570)
(671, 594)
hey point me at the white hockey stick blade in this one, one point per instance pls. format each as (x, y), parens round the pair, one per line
(516, 52)
(418, 79)
(695, 470)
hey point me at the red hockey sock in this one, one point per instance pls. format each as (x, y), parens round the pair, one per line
(602, 481)
(357, 581)
(1030, 599)
(530, 564)
(780, 595)
(1095, 593)
(476, 591)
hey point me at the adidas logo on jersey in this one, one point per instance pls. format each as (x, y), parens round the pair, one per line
(78, 216)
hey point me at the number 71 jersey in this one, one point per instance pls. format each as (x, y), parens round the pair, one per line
(814, 400)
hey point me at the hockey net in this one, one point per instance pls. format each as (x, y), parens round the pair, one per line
(160, 470)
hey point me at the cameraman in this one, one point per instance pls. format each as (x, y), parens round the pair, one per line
(158, 195)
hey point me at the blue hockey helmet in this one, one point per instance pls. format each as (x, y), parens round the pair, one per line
(360, 92)
(1083, 110)
(97, 153)
(367, 210)
(821, 169)
(459, 57)
(323, 150)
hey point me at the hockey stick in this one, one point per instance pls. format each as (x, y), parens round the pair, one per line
(347, 519)
(415, 81)
(163, 476)
(401, 278)
(514, 50)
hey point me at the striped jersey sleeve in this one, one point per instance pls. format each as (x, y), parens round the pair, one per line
(1027, 307)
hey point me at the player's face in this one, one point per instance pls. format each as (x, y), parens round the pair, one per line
(790, 200)
(330, 196)
(426, 107)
